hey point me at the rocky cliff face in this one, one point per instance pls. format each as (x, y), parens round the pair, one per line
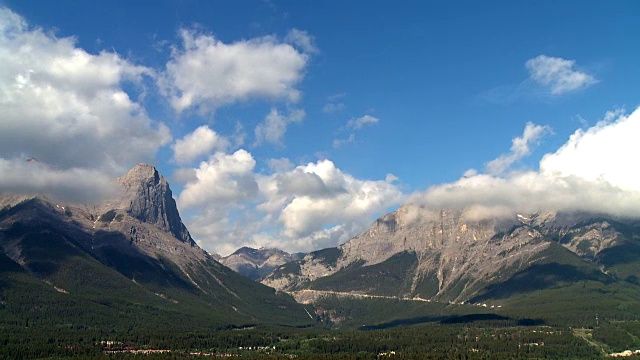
(148, 198)
(456, 257)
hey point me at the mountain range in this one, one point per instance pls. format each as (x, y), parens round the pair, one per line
(127, 262)
(450, 256)
(130, 263)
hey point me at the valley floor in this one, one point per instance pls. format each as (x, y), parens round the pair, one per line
(482, 339)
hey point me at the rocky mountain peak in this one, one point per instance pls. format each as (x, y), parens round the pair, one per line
(148, 197)
(142, 173)
(255, 263)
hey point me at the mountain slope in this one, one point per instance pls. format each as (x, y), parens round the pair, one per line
(449, 256)
(130, 255)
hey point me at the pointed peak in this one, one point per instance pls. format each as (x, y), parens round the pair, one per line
(144, 167)
(142, 175)
(147, 197)
(142, 171)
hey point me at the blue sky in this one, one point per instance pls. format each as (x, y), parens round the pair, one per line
(379, 101)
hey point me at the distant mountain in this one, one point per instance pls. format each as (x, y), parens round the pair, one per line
(125, 263)
(256, 263)
(448, 256)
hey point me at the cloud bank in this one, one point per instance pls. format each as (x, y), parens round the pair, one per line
(67, 108)
(593, 171)
(299, 209)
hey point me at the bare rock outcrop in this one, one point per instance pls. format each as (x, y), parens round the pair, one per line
(148, 198)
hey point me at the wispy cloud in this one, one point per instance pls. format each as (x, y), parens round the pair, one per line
(549, 77)
(333, 107)
(303, 40)
(354, 125)
(334, 103)
(359, 123)
(520, 147)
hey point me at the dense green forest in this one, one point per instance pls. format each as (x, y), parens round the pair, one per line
(468, 338)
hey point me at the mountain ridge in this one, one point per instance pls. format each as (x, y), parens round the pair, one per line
(457, 258)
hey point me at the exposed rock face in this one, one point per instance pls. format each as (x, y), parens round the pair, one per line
(255, 263)
(148, 198)
(457, 257)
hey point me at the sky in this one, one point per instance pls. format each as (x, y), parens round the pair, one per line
(294, 124)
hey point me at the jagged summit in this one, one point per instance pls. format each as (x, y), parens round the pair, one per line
(148, 197)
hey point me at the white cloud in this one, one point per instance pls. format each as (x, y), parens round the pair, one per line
(298, 209)
(207, 73)
(319, 194)
(605, 152)
(202, 141)
(592, 172)
(224, 179)
(275, 125)
(558, 74)
(520, 147)
(303, 40)
(67, 107)
(359, 123)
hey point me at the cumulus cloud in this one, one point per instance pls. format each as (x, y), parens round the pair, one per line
(222, 180)
(355, 125)
(310, 197)
(206, 73)
(558, 74)
(275, 124)
(520, 147)
(592, 172)
(298, 209)
(68, 108)
(202, 141)
(605, 152)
